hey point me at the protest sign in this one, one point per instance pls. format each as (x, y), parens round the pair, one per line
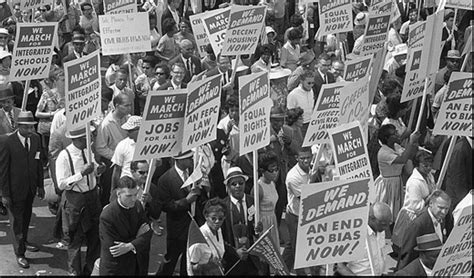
(162, 125)
(202, 112)
(215, 24)
(33, 50)
(460, 4)
(266, 249)
(376, 31)
(354, 103)
(431, 44)
(254, 112)
(335, 16)
(357, 68)
(120, 6)
(376, 72)
(332, 223)
(455, 258)
(245, 26)
(34, 4)
(416, 34)
(325, 115)
(414, 83)
(83, 90)
(455, 115)
(124, 33)
(199, 34)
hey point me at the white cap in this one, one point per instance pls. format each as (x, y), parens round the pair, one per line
(3, 31)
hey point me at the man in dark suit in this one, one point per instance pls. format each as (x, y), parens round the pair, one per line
(429, 221)
(125, 234)
(322, 74)
(79, 42)
(8, 111)
(238, 229)
(227, 84)
(191, 63)
(428, 246)
(176, 202)
(21, 178)
(178, 71)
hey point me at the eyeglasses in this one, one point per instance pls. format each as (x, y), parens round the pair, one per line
(159, 73)
(146, 68)
(142, 172)
(274, 170)
(235, 183)
(215, 219)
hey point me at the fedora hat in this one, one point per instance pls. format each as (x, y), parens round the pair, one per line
(400, 49)
(132, 123)
(183, 155)
(428, 242)
(453, 54)
(6, 91)
(235, 172)
(361, 19)
(277, 113)
(26, 118)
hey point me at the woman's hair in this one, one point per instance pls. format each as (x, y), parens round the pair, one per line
(390, 85)
(394, 105)
(168, 25)
(165, 69)
(296, 20)
(266, 159)
(293, 114)
(214, 205)
(422, 156)
(385, 132)
(294, 34)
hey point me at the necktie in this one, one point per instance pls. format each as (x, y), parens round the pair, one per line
(406, 9)
(325, 79)
(224, 78)
(27, 147)
(241, 212)
(188, 64)
(12, 121)
(85, 163)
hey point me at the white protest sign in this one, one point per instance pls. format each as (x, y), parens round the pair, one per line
(202, 40)
(332, 222)
(357, 68)
(325, 115)
(335, 16)
(254, 112)
(215, 24)
(83, 90)
(376, 31)
(34, 4)
(460, 4)
(431, 44)
(245, 27)
(455, 258)
(414, 83)
(33, 50)
(124, 33)
(455, 115)
(161, 131)
(416, 34)
(120, 6)
(202, 112)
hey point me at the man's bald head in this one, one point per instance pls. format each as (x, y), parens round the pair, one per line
(337, 68)
(380, 216)
(186, 47)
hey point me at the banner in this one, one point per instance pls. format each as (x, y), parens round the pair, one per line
(354, 104)
(202, 112)
(455, 115)
(265, 249)
(455, 259)
(33, 50)
(202, 40)
(215, 24)
(335, 16)
(33, 4)
(254, 112)
(376, 31)
(162, 125)
(460, 4)
(245, 27)
(357, 68)
(325, 115)
(120, 6)
(124, 33)
(83, 90)
(332, 223)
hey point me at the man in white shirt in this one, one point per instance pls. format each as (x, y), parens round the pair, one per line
(120, 86)
(303, 97)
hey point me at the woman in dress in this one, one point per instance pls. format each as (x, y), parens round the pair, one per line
(290, 52)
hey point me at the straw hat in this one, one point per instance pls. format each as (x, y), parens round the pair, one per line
(428, 242)
(234, 172)
(26, 118)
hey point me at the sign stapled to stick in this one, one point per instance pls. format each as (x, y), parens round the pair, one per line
(215, 24)
(202, 112)
(254, 112)
(34, 4)
(83, 90)
(332, 223)
(325, 115)
(33, 50)
(357, 68)
(455, 115)
(162, 125)
(202, 40)
(376, 31)
(245, 27)
(124, 33)
(120, 6)
(335, 16)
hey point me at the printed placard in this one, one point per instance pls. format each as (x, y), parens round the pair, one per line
(215, 24)
(202, 112)
(357, 68)
(120, 6)
(414, 83)
(162, 125)
(245, 27)
(416, 34)
(254, 110)
(325, 115)
(335, 17)
(431, 44)
(202, 40)
(460, 4)
(83, 90)
(124, 33)
(332, 223)
(33, 50)
(455, 116)
(376, 31)
(455, 259)
(33, 4)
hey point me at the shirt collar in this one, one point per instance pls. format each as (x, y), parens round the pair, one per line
(235, 201)
(322, 74)
(370, 232)
(22, 139)
(435, 221)
(301, 171)
(120, 204)
(427, 270)
(174, 84)
(469, 140)
(180, 172)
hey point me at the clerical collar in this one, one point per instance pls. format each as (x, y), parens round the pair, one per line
(120, 204)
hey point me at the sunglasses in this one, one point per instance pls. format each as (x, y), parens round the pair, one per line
(142, 172)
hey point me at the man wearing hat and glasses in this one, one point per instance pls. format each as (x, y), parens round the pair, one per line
(8, 112)
(78, 42)
(453, 63)
(76, 175)
(21, 178)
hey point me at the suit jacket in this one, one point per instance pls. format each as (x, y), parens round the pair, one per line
(21, 171)
(318, 83)
(5, 126)
(195, 64)
(422, 225)
(459, 175)
(414, 269)
(169, 86)
(119, 224)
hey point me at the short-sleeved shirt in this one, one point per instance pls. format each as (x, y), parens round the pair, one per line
(123, 156)
(294, 179)
(167, 47)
